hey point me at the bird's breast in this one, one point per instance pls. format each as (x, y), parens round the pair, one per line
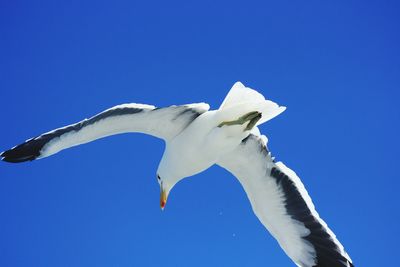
(201, 145)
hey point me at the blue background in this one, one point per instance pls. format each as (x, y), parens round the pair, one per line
(335, 65)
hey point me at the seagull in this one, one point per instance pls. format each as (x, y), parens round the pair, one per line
(197, 138)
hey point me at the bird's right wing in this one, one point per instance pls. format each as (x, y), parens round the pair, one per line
(283, 206)
(164, 123)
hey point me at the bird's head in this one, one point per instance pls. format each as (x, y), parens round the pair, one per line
(166, 183)
(170, 171)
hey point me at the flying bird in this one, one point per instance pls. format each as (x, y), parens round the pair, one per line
(197, 138)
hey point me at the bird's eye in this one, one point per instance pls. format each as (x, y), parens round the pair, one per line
(158, 177)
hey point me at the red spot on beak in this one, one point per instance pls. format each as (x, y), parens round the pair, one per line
(163, 198)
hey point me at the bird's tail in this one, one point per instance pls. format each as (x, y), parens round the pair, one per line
(242, 100)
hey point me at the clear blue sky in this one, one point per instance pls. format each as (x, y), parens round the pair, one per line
(335, 65)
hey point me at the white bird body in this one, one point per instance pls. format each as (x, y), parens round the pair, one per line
(196, 139)
(208, 143)
(180, 160)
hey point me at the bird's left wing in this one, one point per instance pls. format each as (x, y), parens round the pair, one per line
(164, 123)
(283, 206)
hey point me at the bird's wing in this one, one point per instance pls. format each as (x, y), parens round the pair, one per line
(164, 123)
(283, 206)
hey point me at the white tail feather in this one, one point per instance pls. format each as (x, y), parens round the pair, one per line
(240, 94)
(241, 100)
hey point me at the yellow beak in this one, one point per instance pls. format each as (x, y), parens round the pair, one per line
(163, 198)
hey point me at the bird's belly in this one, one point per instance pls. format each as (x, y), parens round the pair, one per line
(198, 151)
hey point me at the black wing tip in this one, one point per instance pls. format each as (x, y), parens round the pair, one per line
(13, 156)
(328, 258)
(17, 160)
(27, 151)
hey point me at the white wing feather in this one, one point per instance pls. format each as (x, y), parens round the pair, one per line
(164, 123)
(283, 205)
